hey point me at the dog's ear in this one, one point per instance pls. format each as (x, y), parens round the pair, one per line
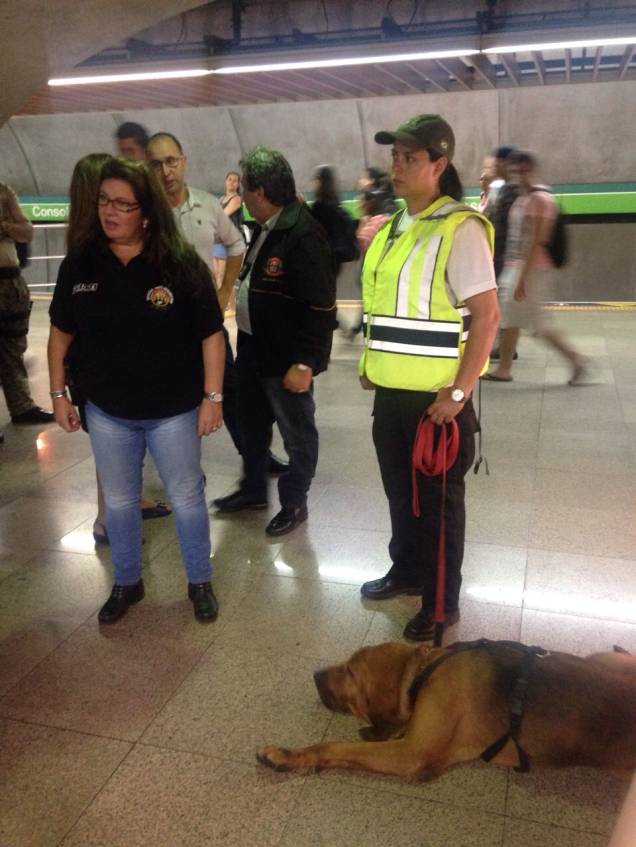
(380, 672)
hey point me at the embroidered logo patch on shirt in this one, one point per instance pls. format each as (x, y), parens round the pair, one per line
(85, 287)
(274, 266)
(160, 297)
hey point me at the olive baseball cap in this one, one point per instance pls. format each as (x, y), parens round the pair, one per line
(422, 132)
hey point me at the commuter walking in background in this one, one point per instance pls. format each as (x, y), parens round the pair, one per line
(429, 293)
(526, 280)
(137, 302)
(15, 309)
(376, 207)
(82, 220)
(339, 226)
(502, 193)
(132, 141)
(283, 341)
(232, 205)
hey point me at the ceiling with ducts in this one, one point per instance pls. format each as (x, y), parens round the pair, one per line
(115, 37)
(42, 38)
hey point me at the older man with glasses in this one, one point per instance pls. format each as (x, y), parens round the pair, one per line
(203, 222)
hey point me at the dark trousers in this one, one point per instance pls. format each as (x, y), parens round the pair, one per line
(230, 396)
(15, 308)
(414, 541)
(262, 400)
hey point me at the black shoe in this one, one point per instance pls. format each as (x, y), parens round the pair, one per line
(205, 604)
(422, 626)
(121, 597)
(237, 502)
(34, 416)
(388, 586)
(1, 437)
(276, 466)
(286, 520)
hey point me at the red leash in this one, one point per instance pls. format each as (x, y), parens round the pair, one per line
(433, 459)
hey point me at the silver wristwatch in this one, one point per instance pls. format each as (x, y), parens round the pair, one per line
(214, 396)
(457, 395)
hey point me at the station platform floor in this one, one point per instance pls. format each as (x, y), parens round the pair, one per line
(144, 732)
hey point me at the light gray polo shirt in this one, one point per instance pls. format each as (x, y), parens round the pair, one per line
(203, 223)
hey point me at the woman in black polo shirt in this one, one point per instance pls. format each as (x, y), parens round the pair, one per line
(139, 305)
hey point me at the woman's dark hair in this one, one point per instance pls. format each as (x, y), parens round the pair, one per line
(268, 169)
(175, 261)
(449, 182)
(82, 214)
(235, 173)
(327, 190)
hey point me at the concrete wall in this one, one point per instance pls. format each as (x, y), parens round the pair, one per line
(576, 142)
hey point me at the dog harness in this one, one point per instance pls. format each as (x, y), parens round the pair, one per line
(519, 692)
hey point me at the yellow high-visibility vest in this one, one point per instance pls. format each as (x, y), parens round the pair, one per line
(414, 336)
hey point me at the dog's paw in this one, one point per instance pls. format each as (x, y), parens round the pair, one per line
(274, 757)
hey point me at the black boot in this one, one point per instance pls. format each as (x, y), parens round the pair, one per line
(205, 604)
(121, 597)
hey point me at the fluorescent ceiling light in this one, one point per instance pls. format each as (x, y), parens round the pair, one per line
(131, 77)
(561, 45)
(344, 62)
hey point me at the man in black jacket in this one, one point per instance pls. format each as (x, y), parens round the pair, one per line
(285, 313)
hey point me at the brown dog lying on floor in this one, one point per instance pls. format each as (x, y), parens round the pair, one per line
(575, 711)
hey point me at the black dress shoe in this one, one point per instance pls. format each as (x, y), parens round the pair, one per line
(388, 586)
(121, 597)
(206, 607)
(33, 416)
(286, 520)
(276, 466)
(422, 626)
(237, 502)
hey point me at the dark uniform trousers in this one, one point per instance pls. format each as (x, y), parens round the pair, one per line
(15, 308)
(263, 399)
(414, 541)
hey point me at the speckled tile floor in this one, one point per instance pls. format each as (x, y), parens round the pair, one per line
(144, 733)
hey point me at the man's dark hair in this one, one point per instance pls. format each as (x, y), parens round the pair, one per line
(130, 129)
(268, 169)
(169, 135)
(523, 157)
(504, 151)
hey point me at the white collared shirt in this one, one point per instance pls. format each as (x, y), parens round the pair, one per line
(243, 289)
(203, 223)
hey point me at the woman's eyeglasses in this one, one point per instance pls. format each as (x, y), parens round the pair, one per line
(118, 203)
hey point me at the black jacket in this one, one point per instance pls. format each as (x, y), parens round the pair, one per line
(292, 296)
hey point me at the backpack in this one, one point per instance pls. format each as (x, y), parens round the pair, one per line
(557, 247)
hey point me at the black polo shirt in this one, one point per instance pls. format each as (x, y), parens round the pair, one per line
(137, 348)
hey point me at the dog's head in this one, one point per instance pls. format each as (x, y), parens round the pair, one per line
(370, 684)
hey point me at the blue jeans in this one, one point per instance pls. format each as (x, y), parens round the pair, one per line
(119, 446)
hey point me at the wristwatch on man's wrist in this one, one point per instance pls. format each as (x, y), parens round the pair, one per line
(213, 396)
(457, 394)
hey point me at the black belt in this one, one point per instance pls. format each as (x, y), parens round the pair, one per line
(519, 693)
(9, 273)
